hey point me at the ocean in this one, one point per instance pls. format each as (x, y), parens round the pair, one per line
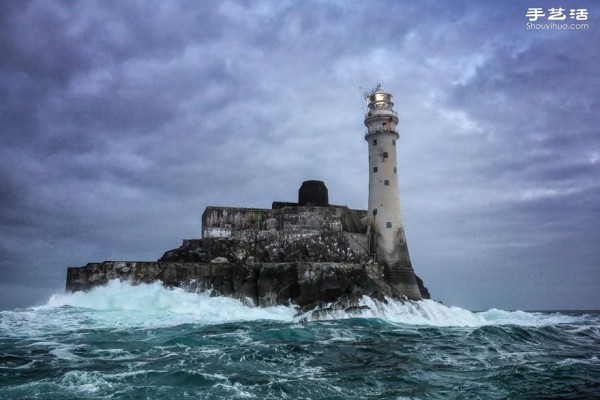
(148, 342)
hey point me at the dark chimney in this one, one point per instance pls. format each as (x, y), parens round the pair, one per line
(313, 193)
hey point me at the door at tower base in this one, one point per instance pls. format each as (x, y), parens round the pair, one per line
(392, 253)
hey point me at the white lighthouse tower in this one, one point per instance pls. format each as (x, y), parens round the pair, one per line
(388, 241)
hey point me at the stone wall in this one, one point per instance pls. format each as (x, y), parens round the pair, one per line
(229, 221)
(223, 221)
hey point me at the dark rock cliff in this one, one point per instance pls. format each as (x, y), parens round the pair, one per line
(306, 284)
(318, 247)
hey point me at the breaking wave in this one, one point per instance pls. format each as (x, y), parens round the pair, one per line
(153, 304)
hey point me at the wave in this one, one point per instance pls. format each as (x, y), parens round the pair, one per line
(432, 313)
(154, 304)
(124, 304)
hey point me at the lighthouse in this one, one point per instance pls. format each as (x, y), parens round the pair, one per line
(387, 238)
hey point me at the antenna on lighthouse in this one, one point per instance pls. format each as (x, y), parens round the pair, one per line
(364, 91)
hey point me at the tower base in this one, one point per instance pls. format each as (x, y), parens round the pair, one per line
(392, 253)
(404, 281)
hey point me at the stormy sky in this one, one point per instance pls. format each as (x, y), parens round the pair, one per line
(120, 121)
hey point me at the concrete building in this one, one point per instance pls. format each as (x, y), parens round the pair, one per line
(311, 216)
(386, 230)
(308, 230)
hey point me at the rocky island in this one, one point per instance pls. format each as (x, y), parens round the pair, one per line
(308, 253)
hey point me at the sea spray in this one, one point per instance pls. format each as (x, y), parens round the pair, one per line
(432, 313)
(155, 305)
(144, 304)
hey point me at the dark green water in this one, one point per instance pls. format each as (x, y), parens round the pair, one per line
(123, 342)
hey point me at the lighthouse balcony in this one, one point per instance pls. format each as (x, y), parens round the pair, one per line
(373, 131)
(380, 112)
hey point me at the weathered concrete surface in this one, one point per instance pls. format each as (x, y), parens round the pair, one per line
(306, 284)
(236, 221)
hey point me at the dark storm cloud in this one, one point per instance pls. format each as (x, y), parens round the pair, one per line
(535, 105)
(120, 121)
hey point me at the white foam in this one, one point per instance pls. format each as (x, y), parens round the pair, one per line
(236, 389)
(429, 312)
(64, 352)
(593, 360)
(86, 382)
(121, 303)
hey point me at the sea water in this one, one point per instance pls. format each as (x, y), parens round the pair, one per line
(149, 342)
